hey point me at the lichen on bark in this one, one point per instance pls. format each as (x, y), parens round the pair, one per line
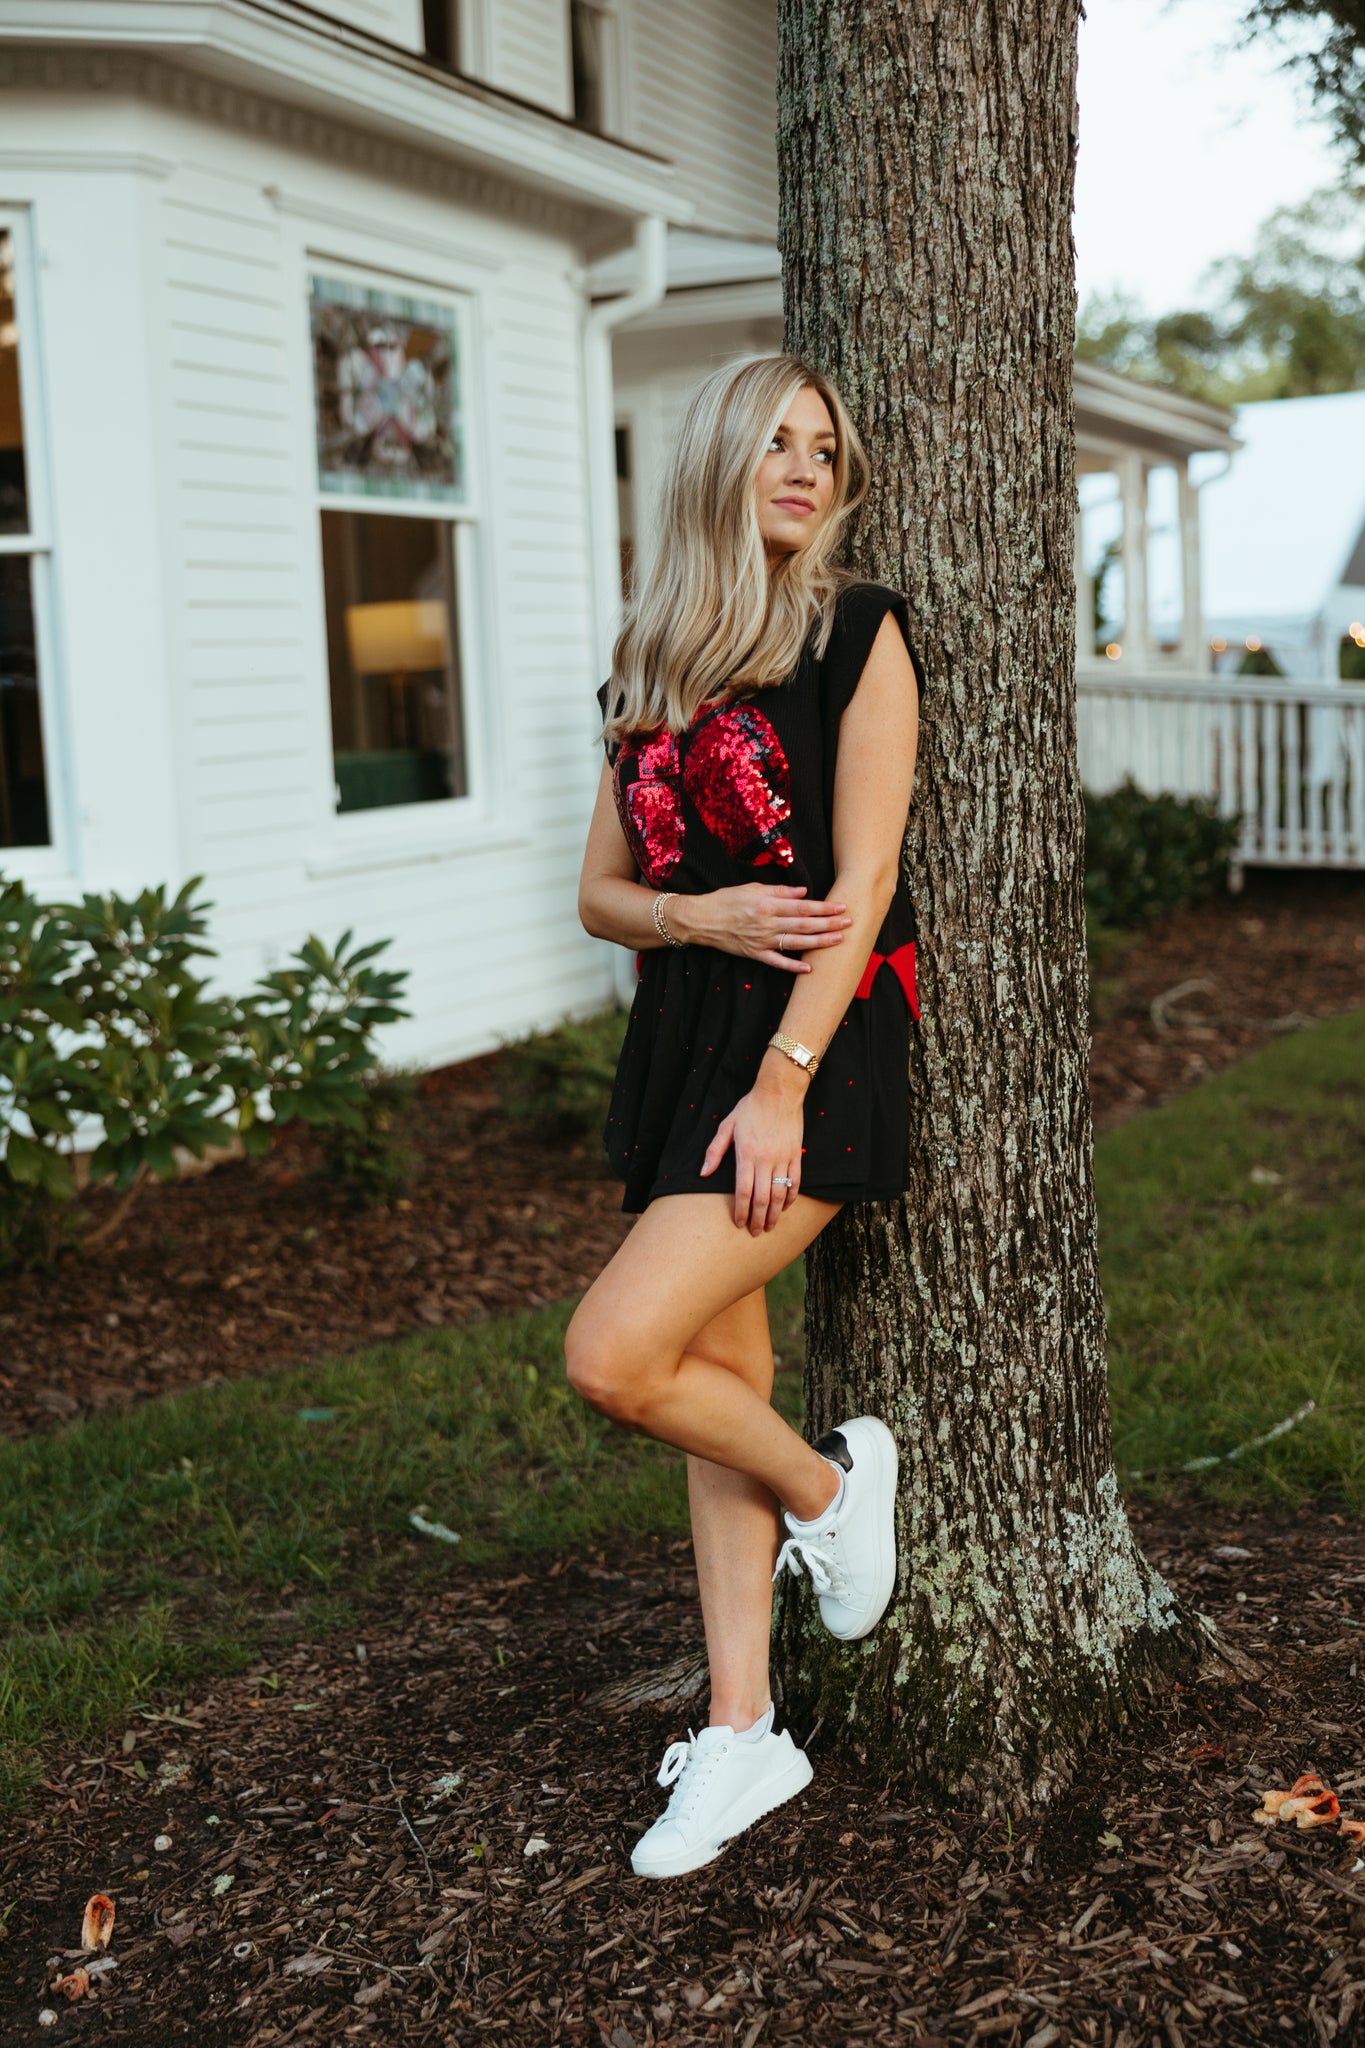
(926, 155)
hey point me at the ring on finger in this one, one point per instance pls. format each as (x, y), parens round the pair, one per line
(783, 1180)
(782, 942)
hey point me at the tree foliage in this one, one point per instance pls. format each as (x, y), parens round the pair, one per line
(1286, 320)
(1333, 62)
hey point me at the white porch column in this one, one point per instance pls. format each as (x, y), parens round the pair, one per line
(1133, 495)
(1194, 646)
(1085, 596)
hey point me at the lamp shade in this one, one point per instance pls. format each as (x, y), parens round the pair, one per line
(389, 639)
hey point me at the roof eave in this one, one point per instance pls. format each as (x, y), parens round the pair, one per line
(313, 63)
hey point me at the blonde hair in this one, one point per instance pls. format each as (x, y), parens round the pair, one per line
(712, 618)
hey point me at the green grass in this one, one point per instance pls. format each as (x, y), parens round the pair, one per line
(142, 1552)
(1234, 1297)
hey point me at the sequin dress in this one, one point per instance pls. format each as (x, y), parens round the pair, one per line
(747, 795)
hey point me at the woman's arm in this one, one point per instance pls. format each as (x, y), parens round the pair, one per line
(614, 904)
(878, 737)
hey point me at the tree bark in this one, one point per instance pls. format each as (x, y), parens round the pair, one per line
(926, 151)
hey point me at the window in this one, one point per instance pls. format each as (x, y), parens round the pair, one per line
(441, 31)
(589, 30)
(23, 772)
(391, 478)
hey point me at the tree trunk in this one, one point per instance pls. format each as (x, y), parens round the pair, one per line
(926, 151)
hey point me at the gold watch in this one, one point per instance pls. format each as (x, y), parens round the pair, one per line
(793, 1048)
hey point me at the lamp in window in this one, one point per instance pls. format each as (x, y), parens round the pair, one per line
(399, 640)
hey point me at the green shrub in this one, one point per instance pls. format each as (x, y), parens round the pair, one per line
(374, 1162)
(1148, 855)
(106, 1025)
(561, 1080)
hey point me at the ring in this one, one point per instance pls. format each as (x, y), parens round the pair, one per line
(782, 1180)
(782, 942)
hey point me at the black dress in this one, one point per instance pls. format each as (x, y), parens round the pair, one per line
(747, 795)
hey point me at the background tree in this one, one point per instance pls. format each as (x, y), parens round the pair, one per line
(1285, 321)
(1333, 57)
(926, 151)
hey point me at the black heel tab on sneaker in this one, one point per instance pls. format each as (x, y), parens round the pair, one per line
(834, 1446)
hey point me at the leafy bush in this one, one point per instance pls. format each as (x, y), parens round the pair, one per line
(1148, 855)
(374, 1162)
(561, 1080)
(106, 1022)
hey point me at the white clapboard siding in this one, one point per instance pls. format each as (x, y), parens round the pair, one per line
(398, 21)
(528, 51)
(488, 932)
(701, 90)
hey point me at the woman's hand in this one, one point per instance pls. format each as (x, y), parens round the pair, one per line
(766, 1128)
(760, 921)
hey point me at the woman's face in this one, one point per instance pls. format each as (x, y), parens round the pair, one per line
(794, 488)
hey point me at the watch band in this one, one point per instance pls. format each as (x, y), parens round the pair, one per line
(795, 1051)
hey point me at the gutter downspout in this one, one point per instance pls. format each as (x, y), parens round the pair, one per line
(651, 249)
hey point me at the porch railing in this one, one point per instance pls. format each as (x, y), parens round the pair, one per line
(1289, 757)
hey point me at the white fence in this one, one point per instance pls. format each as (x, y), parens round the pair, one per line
(1289, 757)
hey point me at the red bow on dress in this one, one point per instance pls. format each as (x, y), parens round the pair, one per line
(902, 965)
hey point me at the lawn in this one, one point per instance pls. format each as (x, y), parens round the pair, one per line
(140, 1552)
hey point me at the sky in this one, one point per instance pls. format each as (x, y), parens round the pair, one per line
(1187, 143)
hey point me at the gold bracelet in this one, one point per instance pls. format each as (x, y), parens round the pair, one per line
(800, 1054)
(660, 921)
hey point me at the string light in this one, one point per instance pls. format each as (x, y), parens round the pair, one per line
(1253, 645)
(1218, 646)
(1113, 650)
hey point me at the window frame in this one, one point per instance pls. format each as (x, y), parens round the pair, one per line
(354, 841)
(37, 865)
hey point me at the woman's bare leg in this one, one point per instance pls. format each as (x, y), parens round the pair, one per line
(734, 1532)
(628, 1346)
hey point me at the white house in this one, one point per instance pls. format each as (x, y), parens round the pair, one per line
(300, 391)
(339, 349)
(1284, 536)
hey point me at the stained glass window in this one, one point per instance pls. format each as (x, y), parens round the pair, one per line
(387, 374)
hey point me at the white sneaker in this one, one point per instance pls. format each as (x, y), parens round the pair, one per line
(721, 1786)
(850, 1551)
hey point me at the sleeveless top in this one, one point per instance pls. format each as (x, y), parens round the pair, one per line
(746, 794)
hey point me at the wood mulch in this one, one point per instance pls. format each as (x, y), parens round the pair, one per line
(421, 1837)
(251, 1267)
(257, 1265)
(1202, 989)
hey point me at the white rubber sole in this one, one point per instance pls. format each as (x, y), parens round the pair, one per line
(872, 1442)
(765, 1799)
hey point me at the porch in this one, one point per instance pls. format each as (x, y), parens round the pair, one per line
(1288, 756)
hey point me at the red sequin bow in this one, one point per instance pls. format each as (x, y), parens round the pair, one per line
(902, 965)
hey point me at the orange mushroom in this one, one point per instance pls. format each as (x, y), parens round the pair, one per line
(1353, 1830)
(97, 1928)
(75, 1985)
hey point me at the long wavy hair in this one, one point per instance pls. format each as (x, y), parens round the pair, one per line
(713, 617)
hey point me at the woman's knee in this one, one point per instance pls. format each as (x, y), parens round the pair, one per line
(600, 1371)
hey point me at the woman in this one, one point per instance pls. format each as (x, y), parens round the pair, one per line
(760, 729)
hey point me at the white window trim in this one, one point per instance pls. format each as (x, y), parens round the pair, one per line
(356, 841)
(39, 867)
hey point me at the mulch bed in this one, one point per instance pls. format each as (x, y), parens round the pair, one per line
(1202, 989)
(421, 1836)
(251, 1267)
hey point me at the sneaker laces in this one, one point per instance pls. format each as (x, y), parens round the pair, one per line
(826, 1569)
(686, 1766)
